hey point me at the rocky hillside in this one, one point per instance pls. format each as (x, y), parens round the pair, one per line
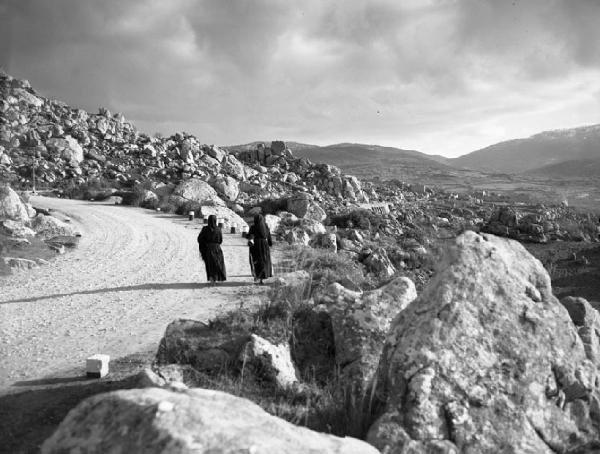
(573, 169)
(543, 149)
(60, 145)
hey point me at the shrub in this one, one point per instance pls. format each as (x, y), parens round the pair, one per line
(327, 267)
(94, 188)
(139, 194)
(273, 206)
(361, 219)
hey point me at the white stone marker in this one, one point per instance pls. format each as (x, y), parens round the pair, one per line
(96, 366)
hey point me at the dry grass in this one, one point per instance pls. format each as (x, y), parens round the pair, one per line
(321, 401)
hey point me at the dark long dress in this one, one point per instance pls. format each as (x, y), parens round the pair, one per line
(209, 242)
(260, 253)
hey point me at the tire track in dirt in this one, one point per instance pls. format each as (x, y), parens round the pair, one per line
(133, 272)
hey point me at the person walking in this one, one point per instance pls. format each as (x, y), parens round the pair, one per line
(209, 243)
(259, 241)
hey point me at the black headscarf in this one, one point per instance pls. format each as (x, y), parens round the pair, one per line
(212, 222)
(260, 227)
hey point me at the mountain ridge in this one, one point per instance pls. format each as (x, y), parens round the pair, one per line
(542, 149)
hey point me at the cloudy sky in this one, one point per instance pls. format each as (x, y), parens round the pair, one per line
(439, 76)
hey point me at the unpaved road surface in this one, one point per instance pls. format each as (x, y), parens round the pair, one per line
(133, 272)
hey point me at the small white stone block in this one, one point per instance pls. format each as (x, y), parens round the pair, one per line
(97, 366)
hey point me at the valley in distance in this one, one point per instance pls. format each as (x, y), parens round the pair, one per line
(549, 167)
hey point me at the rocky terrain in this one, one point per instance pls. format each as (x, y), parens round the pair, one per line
(400, 320)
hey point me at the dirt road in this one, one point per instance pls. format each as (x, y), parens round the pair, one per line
(134, 271)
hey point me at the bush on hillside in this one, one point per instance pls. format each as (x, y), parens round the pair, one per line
(94, 188)
(359, 219)
(273, 206)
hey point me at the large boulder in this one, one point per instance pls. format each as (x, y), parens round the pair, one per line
(189, 148)
(360, 322)
(216, 153)
(315, 212)
(232, 166)
(226, 186)
(49, 226)
(299, 203)
(15, 229)
(68, 149)
(486, 360)
(11, 206)
(199, 345)
(197, 421)
(269, 362)
(199, 191)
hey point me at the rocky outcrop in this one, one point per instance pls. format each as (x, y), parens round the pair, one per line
(199, 191)
(360, 322)
(11, 206)
(486, 360)
(200, 421)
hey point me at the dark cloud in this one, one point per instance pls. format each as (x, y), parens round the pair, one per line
(443, 76)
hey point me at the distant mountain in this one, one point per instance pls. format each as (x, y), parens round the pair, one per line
(540, 150)
(574, 169)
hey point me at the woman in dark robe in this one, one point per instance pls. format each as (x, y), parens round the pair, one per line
(209, 242)
(259, 240)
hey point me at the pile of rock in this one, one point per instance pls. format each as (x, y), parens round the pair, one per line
(61, 144)
(541, 224)
(20, 222)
